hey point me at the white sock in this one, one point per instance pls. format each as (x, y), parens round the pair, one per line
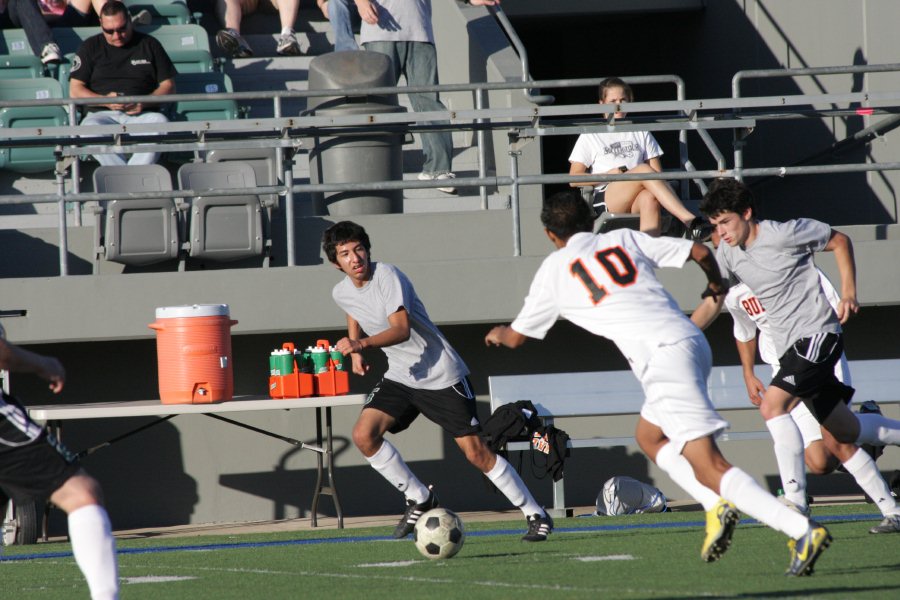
(741, 489)
(867, 476)
(95, 550)
(878, 430)
(789, 455)
(508, 481)
(287, 31)
(389, 463)
(681, 472)
(810, 430)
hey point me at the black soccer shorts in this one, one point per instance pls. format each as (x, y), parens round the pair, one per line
(807, 371)
(452, 408)
(33, 463)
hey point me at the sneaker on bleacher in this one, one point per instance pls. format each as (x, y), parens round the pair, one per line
(51, 54)
(288, 44)
(233, 44)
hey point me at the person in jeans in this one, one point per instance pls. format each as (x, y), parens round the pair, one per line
(25, 14)
(402, 30)
(121, 62)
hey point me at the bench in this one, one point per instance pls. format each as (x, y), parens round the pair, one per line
(612, 393)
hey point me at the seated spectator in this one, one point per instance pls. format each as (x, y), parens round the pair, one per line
(629, 152)
(230, 13)
(81, 13)
(342, 14)
(121, 62)
(25, 14)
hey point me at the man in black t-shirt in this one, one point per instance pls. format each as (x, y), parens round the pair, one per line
(121, 62)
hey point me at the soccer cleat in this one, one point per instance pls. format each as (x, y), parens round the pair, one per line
(233, 44)
(288, 45)
(806, 550)
(413, 512)
(890, 524)
(51, 54)
(446, 175)
(539, 527)
(720, 523)
(698, 230)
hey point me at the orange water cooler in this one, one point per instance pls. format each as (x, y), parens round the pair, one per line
(193, 349)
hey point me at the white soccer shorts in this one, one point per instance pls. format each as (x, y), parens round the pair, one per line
(675, 383)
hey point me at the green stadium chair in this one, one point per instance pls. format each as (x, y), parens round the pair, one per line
(14, 42)
(172, 37)
(24, 159)
(204, 110)
(193, 61)
(20, 66)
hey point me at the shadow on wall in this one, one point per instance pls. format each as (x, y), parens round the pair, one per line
(28, 256)
(691, 45)
(143, 478)
(461, 487)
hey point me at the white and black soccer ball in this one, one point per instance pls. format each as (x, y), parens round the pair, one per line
(439, 533)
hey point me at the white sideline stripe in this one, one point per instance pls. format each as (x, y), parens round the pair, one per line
(156, 579)
(610, 557)
(399, 563)
(497, 584)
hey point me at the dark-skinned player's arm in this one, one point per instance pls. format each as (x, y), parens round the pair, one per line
(713, 297)
(842, 247)
(504, 335)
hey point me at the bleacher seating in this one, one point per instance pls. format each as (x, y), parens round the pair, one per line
(204, 110)
(20, 66)
(223, 228)
(136, 232)
(29, 159)
(164, 12)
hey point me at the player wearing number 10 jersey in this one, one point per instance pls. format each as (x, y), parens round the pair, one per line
(606, 284)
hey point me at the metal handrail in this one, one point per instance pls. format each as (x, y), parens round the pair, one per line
(741, 76)
(510, 31)
(279, 131)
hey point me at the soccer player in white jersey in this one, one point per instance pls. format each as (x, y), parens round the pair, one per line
(606, 284)
(425, 375)
(749, 315)
(34, 464)
(775, 260)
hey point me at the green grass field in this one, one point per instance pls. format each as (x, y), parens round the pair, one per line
(642, 556)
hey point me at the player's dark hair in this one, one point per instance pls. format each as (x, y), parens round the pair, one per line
(727, 195)
(566, 213)
(611, 82)
(343, 232)
(113, 8)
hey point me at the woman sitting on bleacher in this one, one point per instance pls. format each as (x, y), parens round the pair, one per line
(629, 152)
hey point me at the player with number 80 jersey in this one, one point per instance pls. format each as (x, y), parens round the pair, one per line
(613, 272)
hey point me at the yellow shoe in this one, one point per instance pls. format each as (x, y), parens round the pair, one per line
(720, 523)
(806, 550)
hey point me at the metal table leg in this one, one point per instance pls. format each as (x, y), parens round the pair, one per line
(325, 464)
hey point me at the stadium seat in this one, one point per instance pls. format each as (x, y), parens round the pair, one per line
(172, 37)
(164, 12)
(261, 159)
(193, 61)
(203, 110)
(20, 66)
(223, 228)
(14, 42)
(28, 159)
(136, 232)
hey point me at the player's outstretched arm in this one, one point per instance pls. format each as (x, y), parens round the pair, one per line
(755, 387)
(713, 297)
(842, 247)
(396, 333)
(504, 335)
(15, 359)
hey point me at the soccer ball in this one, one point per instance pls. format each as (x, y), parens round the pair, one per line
(439, 533)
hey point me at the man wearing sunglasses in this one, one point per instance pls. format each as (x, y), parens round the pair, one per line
(121, 62)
